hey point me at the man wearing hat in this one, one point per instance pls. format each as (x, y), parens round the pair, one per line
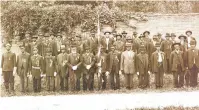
(192, 64)
(166, 47)
(40, 42)
(142, 67)
(8, 63)
(36, 69)
(102, 68)
(59, 42)
(119, 44)
(189, 37)
(74, 63)
(88, 62)
(22, 64)
(127, 65)
(173, 37)
(34, 44)
(158, 65)
(93, 43)
(62, 69)
(177, 65)
(124, 35)
(160, 39)
(183, 42)
(107, 41)
(146, 34)
(50, 70)
(27, 41)
(114, 68)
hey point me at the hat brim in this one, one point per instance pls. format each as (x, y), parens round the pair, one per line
(107, 32)
(188, 32)
(146, 32)
(182, 36)
(176, 44)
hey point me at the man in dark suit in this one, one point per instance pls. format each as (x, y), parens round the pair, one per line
(62, 69)
(158, 65)
(102, 68)
(119, 44)
(114, 68)
(88, 67)
(189, 37)
(107, 42)
(177, 65)
(142, 67)
(192, 64)
(166, 47)
(93, 43)
(50, 70)
(8, 63)
(23, 61)
(74, 62)
(27, 42)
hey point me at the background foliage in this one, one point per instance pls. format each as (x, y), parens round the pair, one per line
(34, 16)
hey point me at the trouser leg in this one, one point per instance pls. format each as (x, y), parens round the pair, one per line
(131, 81)
(127, 83)
(22, 83)
(194, 76)
(117, 78)
(112, 83)
(6, 77)
(65, 83)
(181, 77)
(48, 83)
(34, 84)
(175, 78)
(85, 82)
(91, 81)
(39, 84)
(104, 81)
(188, 78)
(77, 83)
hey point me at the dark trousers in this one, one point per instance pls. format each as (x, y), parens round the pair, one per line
(168, 67)
(129, 81)
(159, 77)
(50, 83)
(8, 80)
(143, 80)
(102, 80)
(78, 77)
(114, 79)
(36, 84)
(88, 80)
(192, 76)
(23, 81)
(64, 83)
(178, 77)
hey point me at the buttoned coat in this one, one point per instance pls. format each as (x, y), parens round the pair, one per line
(174, 60)
(23, 60)
(154, 61)
(49, 65)
(111, 57)
(189, 58)
(104, 43)
(104, 63)
(88, 59)
(142, 63)
(8, 61)
(62, 68)
(128, 62)
(166, 47)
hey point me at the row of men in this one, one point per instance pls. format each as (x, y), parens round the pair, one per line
(69, 67)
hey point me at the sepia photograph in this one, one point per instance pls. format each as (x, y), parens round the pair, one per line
(99, 55)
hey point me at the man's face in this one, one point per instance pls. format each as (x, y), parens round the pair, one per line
(107, 35)
(167, 38)
(128, 48)
(177, 47)
(182, 38)
(146, 34)
(27, 36)
(87, 51)
(192, 46)
(8, 47)
(22, 49)
(118, 38)
(35, 51)
(112, 49)
(74, 50)
(124, 35)
(188, 34)
(172, 37)
(93, 35)
(63, 50)
(158, 48)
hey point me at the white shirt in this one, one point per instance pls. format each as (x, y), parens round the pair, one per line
(189, 39)
(129, 53)
(159, 57)
(194, 60)
(107, 40)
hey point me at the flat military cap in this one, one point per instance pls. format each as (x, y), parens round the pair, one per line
(188, 31)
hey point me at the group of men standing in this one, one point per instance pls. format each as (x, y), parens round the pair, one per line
(63, 61)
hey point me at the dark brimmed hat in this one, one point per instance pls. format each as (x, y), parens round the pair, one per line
(182, 36)
(159, 34)
(124, 32)
(167, 35)
(107, 32)
(146, 32)
(34, 37)
(177, 42)
(59, 34)
(188, 31)
(135, 33)
(173, 35)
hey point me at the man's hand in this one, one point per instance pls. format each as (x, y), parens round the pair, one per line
(120, 72)
(43, 75)
(55, 73)
(88, 67)
(74, 67)
(14, 70)
(138, 73)
(107, 73)
(98, 64)
(149, 72)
